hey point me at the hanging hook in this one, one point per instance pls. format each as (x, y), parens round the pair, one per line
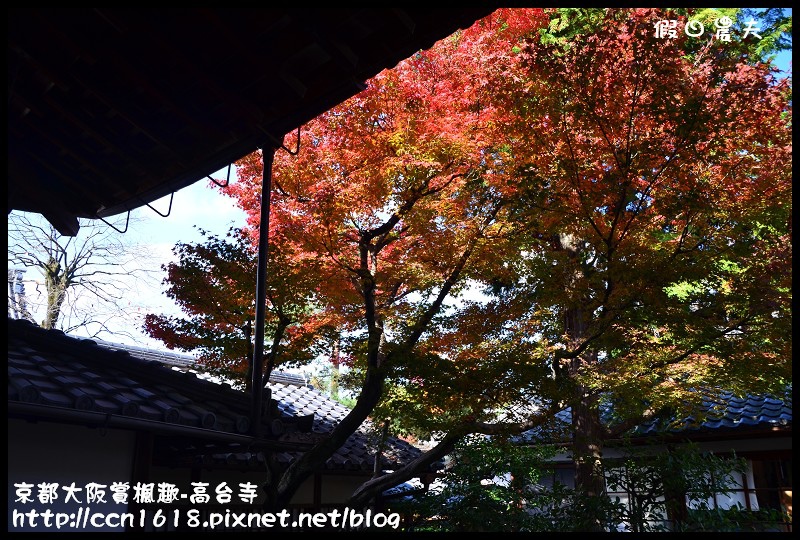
(169, 210)
(127, 220)
(281, 145)
(227, 180)
(297, 149)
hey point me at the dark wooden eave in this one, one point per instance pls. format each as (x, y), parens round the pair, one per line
(110, 108)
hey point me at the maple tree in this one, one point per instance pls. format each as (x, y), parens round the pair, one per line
(622, 202)
(656, 193)
(652, 230)
(392, 195)
(213, 283)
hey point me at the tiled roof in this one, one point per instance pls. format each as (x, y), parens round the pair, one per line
(718, 414)
(54, 375)
(728, 412)
(296, 398)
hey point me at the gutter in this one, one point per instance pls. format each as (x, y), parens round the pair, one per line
(29, 411)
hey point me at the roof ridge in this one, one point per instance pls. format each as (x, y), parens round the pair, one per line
(188, 360)
(137, 348)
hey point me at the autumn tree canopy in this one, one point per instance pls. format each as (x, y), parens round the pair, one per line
(213, 283)
(654, 211)
(621, 201)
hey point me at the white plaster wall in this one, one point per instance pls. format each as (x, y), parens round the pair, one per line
(724, 446)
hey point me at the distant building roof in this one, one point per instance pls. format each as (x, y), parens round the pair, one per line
(295, 397)
(165, 357)
(719, 414)
(727, 412)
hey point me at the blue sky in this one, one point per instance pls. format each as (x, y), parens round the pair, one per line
(783, 61)
(197, 205)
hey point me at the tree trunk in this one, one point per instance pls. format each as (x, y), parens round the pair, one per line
(17, 301)
(587, 446)
(56, 284)
(247, 330)
(313, 459)
(587, 431)
(377, 468)
(335, 373)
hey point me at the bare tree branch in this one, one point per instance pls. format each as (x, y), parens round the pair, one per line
(83, 282)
